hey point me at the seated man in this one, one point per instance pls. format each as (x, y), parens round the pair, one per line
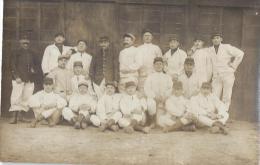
(81, 106)
(93, 88)
(108, 110)
(46, 104)
(62, 78)
(176, 116)
(133, 110)
(209, 110)
(189, 79)
(157, 88)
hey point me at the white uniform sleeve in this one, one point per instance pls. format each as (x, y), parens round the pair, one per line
(237, 53)
(74, 103)
(34, 100)
(61, 103)
(124, 106)
(148, 89)
(45, 60)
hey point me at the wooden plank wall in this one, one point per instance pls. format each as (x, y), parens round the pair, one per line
(89, 19)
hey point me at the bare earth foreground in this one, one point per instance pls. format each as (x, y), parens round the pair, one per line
(63, 144)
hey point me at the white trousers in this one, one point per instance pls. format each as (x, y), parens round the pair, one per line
(68, 114)
(207, 121)
(96, 120)
(20, 96)
(46, 113)
(151, 106)
(223, 84)
(126, 121)
(169, 120)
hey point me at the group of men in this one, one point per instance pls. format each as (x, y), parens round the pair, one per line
(136, 89)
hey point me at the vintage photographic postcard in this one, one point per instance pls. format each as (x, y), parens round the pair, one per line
(171, 82)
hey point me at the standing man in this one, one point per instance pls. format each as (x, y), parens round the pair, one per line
(174, 59)
(24, 66)
(82, 56)
(127, 63)
(225, 59)
(52, 52)
(146, 54)
(203, 64)
(104, 64)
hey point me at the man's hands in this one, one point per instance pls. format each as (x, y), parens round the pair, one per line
(49, 106)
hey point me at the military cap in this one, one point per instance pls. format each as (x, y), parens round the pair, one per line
(157, 59)
(48, 81)
(129, 35)
(59, 34)
(206, 85)
(83, 83)
(77, 63)
(103, 39)
(63, 57)
(129, 84)
(189, 60)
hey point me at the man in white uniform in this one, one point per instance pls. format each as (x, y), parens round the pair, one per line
(145, 56)
(128, 68)
(174, 59)
(203, 64)
(132, 108)
(209, 110)
(46, 104)
(108, 109)
(225, 59)
(157, 88)
(189, 79)
(81, 107)
(81, 55)
(52, 52)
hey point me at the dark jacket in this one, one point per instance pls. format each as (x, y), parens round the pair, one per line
(107, 67)
(24, 64)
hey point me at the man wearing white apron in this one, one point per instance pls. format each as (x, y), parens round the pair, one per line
(52, 52)
(145, 56)
(225, 59)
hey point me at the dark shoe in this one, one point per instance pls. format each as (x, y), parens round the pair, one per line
(14, 118)
(114, 128)
(77, 125)
(189, 128)
(84, 125)
(129, 130)
(103, 127)
(33, 123)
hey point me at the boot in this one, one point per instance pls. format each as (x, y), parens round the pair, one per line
(215, 130)
(177, 126)
(21, 117)
(103, 127)
(36, 120)
(129, 129)
(84, 123)
(151, 119)
(140, 128)
(14, 117)
(221, 126)
(114, 127)
(189, 128)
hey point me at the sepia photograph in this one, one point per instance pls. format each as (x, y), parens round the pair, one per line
(130, 82)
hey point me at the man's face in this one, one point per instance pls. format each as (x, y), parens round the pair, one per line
(131, 90)
(104, 44)
(25, 43)
(62, 63)
(198, 44)
(81, 46)
(205, 91)
(216, 40)
(59, 40)
(178, 92)
(174, 44)
(110, 90)
(128, 41)
(77, 70)
(147, 37)
(48, 88)
(188, 67)
(158, 66)
(83, 89)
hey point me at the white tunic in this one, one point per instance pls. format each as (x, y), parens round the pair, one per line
(158, 84)
(132, 104)
(203, 65)
(191, 85)
(43, 98)
(145, 56)
(175, 62)
(50, 57)
(85, 58)
(127, 62)
(222, 59)
(77, 100)
(203, 105)
(108, 104)
(176, 106)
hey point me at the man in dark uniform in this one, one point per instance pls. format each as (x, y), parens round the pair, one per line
(24, 68)
(104, 65)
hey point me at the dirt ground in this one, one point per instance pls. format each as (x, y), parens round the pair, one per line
(64, 144)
